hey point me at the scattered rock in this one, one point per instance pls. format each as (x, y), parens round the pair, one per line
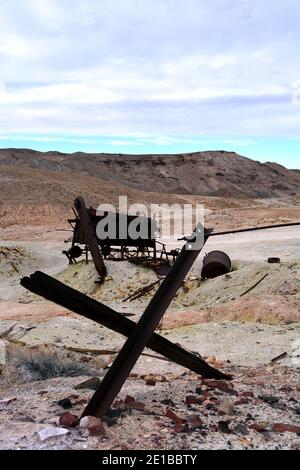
(223, 426)
(91, 384)
(241, 429)
(168, 402)
(49, 433)
(177, 420)
(192, 400)
(66, 404)
(68, 420)
(150, 382)
(93, 425)
(274, 260)
(194, 422)
(258, 427)
(110, 422)
(279, 427)
(241, 401)
(135, 405)
(6, 402)
(268, 399)
(227, 407)
(221, 385)
(248, 394)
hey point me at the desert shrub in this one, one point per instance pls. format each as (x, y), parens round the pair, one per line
(42, 366)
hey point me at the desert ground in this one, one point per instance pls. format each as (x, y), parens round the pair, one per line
(239, 322)
(170, 408)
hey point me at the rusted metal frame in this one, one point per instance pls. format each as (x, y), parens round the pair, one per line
(254, 229)
(90, 236)
(138, 340)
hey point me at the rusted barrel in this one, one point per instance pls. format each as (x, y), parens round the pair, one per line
(215, 263)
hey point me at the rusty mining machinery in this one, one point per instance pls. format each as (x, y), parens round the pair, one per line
(144, 250)
(147, 251)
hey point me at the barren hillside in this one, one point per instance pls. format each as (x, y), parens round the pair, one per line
(216, 173)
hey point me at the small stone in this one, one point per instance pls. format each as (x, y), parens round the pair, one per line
(194, 422)
(298, 388)
(168, 402)
(150, 382)
(248, 394)
(66, 404)
(6, 402)
(223, 426)
(49, 433)
(91, 384)
(241, 401)
(241, 429)
(68, 420)
(211, 360)
(170, 414)
(268, 399)
(135, 405)
(227, 407)
(221, 385)
(93, 425)
(257, 427)
(274, 260)
(279, 427)
(192, 400)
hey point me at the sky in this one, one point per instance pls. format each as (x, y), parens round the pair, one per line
(152, 76)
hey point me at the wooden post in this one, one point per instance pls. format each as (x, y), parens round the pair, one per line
(90, 236)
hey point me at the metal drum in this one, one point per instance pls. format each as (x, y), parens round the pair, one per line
(215, 263)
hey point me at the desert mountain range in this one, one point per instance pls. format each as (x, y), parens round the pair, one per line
(212, 173)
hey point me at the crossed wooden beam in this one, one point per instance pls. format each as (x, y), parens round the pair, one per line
(139, 335)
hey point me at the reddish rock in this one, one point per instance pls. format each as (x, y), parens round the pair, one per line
(150, 382)
(298, 388)
(179, 427)
(257, 427)
(85, 360)
(81, 402)
(194, 422)
(177, 420)
(93, 425)
(286, 388)
(248, 394)
(280, 427)
(210, 405)
(242, 401)
(67, 420)
(192, 400)
(73, 397)
(226, 387)
(135, 405)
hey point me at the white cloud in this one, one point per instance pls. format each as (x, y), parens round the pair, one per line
(149, 67)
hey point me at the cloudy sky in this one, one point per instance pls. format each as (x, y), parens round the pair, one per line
(152, 76)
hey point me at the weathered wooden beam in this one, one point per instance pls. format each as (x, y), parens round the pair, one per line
(90, 235)
(57, 292)
(141, 335)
